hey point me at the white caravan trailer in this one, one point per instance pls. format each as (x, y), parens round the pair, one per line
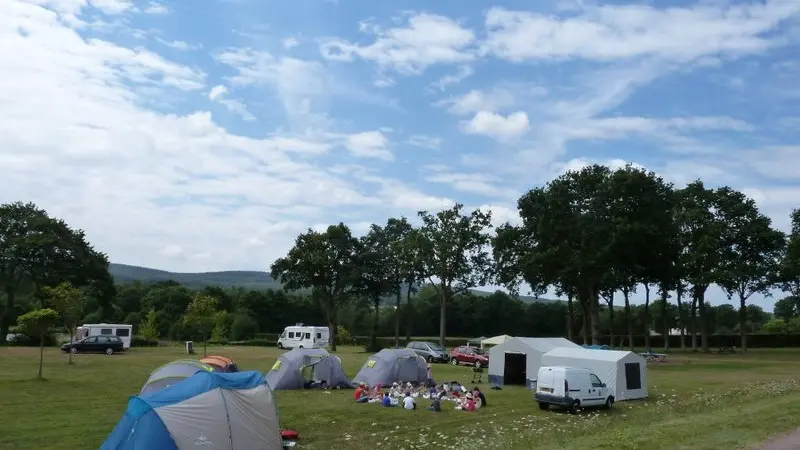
(300, 336)
(123, 331)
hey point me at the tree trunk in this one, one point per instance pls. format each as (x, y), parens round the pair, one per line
(626, 294)
(374, 339)
(611, 319)
(205, 347)
(397, 311)
(664, 309)
(5, 319)
(409, 315)
(681, 321)
(743, 322)
(594, 309)
(41, 357)
(647, 317)
(701, 302)
(584, 304)
(693, 320)
(570, 315)
(443, 317)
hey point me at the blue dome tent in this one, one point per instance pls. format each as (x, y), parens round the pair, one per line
(232, 411)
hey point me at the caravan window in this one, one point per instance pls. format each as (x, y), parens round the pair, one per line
(123, 332)
(308, 335)
(595, 381)
(291, 335)
(106, 331)
(319, 335)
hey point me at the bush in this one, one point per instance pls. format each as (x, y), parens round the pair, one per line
(140, 341)
(243, 328)
(21, 340)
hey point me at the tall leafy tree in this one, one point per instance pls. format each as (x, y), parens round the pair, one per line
(200, 317)
(401, 264)
(326, 263)
(69, 302)
(790, 265)
(148, 329)
(413, 271)
(751, 251)
(455, 256)
(376, 273)
(45, 251)
(38, 323)
(701, 238)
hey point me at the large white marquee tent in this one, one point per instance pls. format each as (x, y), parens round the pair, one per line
(625, 373)
(517, 360)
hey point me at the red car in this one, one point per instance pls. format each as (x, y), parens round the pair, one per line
(468, 355)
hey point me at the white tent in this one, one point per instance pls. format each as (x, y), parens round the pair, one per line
(625, 373)
(497, 340)
(517, 360)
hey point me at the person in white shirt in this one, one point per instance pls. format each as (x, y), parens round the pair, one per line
(408, 402)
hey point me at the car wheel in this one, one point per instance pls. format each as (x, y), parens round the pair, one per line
(576, 407)
(454, 362)
(609, 403)
(109, 351)
(544, 406)
(429, 359)
(74, 350)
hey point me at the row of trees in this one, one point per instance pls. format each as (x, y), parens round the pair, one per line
(590, 234)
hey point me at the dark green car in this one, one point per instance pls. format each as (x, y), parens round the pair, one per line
(95, 344)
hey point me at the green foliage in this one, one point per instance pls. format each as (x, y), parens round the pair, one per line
(243, 328)
(39, 323)
(148, 328)
(200, 316)
(221, 328)
(68, 301)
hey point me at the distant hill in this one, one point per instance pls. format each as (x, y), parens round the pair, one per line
(248, 279)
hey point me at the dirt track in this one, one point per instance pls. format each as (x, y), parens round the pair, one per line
(786, 442)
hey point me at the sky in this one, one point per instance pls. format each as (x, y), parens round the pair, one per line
(205, 135)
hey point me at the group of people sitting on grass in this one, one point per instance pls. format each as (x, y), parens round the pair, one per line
(405, 396)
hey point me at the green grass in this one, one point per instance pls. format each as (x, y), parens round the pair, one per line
(697, 401)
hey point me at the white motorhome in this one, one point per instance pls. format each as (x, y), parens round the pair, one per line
(123, 331)
(572, 388)
(300, 336)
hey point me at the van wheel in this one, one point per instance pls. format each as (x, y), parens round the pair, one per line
(544, 406)
(300, 346)
(576, 407)
(280, 346)
(609, 402)
(109, 351)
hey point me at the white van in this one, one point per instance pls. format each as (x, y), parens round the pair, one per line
(572, 388)
(123, 331)
(300, 336)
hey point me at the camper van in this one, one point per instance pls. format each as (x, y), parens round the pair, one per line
(572, 388)
(123, 331)
(300, 336)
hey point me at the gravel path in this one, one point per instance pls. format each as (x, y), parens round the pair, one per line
(785, 442)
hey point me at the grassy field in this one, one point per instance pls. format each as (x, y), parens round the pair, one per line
(697, 401)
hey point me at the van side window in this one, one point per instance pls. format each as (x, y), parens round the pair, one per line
(595, 381)
(308, 335)
(123, 332)
(319, 335)
(291, 335)
(106, 331)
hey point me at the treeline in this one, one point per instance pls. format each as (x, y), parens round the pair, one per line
(596, 235)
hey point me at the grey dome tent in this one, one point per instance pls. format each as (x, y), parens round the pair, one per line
(392, 365)
(300, 367)
(173, 373)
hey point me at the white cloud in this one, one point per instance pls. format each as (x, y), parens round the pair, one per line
(470, 183)
(477, 100)
(113, 7)
(220, 93)
(498, 126)
(462, 74)
(180, 45)
(615, 32)
(290, 43)
(427, 40)
(369, 144)
(418, 140)
(156, 8)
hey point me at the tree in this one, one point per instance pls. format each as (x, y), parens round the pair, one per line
(787, 308)
(44, 251)
(38, 323)
(751, 251)
(454, 252)
(701, 238)
(378, 273)
(403, 264)
(148, 329)
(789, 279)
(220, 331)
(69, 302)
(326, 263)
(199, 318)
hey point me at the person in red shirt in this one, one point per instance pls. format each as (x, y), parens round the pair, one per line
(361, 394)
(470, 403)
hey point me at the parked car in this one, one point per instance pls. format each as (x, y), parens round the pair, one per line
(571, 388)
(95, 344)
(469, 355)
(430, 351)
